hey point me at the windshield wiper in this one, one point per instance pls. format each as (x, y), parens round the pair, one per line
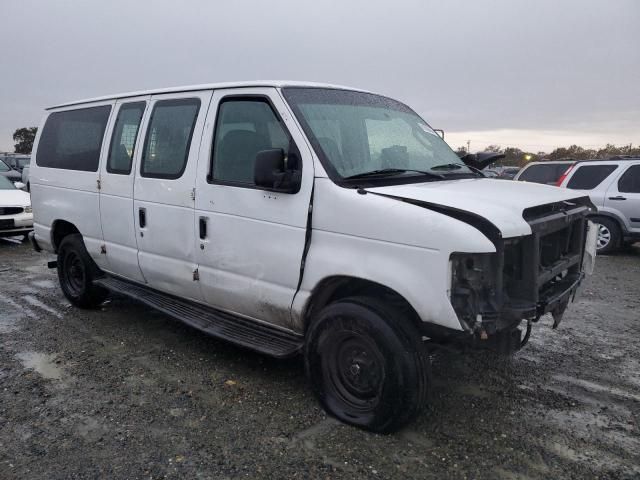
(457, 166)
(391, 171)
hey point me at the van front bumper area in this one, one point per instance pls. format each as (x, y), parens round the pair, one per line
(527, 277)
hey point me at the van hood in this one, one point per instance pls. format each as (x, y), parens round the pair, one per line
(14, 198)
(501, 202)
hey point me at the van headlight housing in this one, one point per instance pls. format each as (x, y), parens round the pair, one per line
(473, 284)
(28, 209)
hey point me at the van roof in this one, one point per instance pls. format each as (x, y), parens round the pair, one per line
(207, 86)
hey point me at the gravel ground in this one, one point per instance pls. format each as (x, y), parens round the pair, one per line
(124, 392)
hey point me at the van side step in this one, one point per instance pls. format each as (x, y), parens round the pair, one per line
(263, 338)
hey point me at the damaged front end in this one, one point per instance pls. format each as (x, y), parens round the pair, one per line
(527, 277)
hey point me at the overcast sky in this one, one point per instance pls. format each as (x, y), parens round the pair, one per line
(533, 74)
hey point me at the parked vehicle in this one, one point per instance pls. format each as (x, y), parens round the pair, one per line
(547, 172)
(9, 173)
(507, 173)
(25, 178)
(17, 162)
(297, 218)
(16, 217)
(614, 188)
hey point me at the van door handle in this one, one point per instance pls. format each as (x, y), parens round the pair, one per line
(619, 197)
(142, 217)
(202, 227)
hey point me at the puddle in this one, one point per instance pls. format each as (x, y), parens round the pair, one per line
(597, 387)
(37, 303)
(42, 363)
(18, 309)
(43, 283)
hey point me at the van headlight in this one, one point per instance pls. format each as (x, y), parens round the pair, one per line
(28, 209)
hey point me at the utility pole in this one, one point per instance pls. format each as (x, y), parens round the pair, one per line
(468, 146)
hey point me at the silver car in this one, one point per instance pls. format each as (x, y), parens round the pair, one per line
(614, 188)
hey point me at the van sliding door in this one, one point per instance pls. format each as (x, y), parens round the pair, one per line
(164, 192)
(116, 188)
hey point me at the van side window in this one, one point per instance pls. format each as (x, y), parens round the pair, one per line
(123, 140)
(168, 138)
(630, 180)
(72, 140)
(244, 127)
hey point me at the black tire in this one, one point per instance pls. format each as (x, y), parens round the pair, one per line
(367, 364)
(611, 229)
(28, 187)
(76, 272)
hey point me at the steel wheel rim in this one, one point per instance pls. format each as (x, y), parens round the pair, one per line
(355, 370)
(74, 274)
(604, 236)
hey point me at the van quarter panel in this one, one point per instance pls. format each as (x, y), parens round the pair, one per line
(71, 195)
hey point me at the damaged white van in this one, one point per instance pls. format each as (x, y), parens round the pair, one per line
(300, 218)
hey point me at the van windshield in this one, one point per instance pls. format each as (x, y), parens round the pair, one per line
(359, 135)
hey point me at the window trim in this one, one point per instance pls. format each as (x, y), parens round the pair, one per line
(166, 176)
(622, 176)
(245, 97)
(116, 171)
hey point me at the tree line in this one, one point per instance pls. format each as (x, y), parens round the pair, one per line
(516, 157)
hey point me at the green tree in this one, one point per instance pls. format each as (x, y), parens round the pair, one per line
(24, 138)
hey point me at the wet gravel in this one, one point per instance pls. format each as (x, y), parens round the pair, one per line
(125, 392)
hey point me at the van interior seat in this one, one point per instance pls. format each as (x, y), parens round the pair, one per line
(236, 155)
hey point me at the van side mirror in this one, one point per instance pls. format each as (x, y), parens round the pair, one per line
(270, 172)
(19, 185)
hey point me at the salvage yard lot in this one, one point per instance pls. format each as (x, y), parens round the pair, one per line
(124, 392)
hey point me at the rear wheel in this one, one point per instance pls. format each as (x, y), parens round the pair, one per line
(367, 364)
(608, 235)
(76, 272)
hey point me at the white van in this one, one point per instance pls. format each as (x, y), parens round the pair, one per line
(302, 218)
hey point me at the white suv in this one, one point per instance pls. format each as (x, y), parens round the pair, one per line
(297, 218)
(614, 188)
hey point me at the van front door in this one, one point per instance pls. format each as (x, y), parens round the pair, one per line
(251, 240)
(116, 189)
(164, 190)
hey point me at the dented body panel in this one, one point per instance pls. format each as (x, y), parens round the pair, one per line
(466, 255)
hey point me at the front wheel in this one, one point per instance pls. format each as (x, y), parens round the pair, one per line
(367, 364)
(76, 272)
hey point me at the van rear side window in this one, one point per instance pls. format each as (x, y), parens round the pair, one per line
(72, 140)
